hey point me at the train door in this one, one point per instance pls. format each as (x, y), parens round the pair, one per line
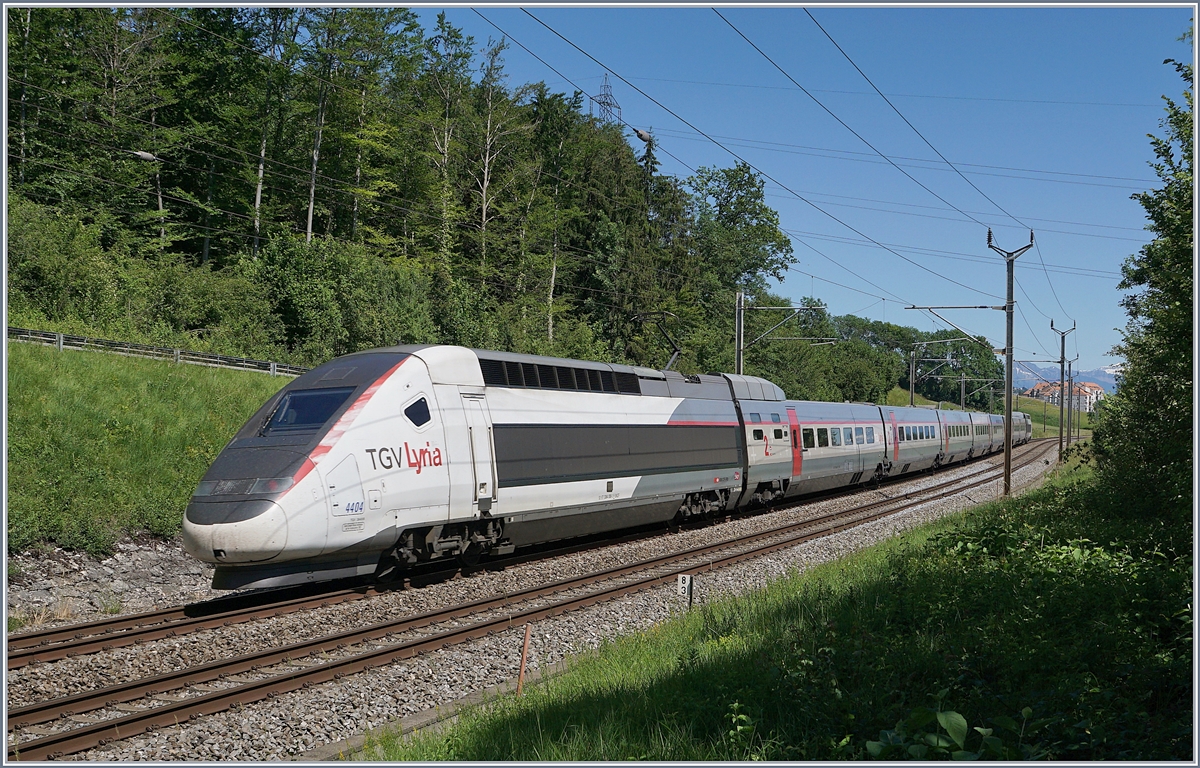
(479, 443)
(797, 453)
(347, 518)
(891, 436)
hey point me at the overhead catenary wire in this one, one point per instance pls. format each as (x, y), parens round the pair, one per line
(747, 163)
(954, 255)
(560, 74)
(338, 181)
(939, 154)
(910, 125)
(900, 95)
(1140, 240)
(879, 159)
(842, 122)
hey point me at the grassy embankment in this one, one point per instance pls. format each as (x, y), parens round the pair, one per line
(1045, 420)
(102, 444)
(1056, 626)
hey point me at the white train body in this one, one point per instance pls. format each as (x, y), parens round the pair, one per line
(384, 458)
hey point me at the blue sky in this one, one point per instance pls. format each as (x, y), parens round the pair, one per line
(1045, 110)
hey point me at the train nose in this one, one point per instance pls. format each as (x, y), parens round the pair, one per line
(249, 531)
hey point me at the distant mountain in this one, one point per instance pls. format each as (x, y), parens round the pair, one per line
(1106, 377)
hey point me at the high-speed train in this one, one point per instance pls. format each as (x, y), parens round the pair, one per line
(385, 458)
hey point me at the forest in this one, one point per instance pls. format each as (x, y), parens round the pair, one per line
(295, 184)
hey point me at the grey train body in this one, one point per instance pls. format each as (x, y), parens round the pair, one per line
(381, 459)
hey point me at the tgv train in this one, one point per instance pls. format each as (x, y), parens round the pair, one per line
(385, 458)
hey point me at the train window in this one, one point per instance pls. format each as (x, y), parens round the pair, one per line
(610, 384)
(870, 434)
(547, 375)
(628, 383)
(795, 439)
(418, 412)
(595, 377)
(754, 417)
(531, 374)
(835, 436)
(305, 409)
(858, 435)
(758, 434)
(933, 433)
(822, 437)
(808, 439)
(566, 377)
(848, 435)
(900, 435)
(515, 379)
(493, 372)
(779, 434)
(775, 418)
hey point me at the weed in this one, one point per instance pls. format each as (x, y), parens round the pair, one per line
(109, 603)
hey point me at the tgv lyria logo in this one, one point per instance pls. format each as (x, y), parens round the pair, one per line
(416, 458)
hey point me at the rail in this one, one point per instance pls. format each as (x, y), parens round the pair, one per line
(210, 359)
(278, 670)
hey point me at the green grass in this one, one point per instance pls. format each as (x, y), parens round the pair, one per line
(102, 444)
(1056, 626)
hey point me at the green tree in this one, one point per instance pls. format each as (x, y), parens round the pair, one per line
(1144, 437)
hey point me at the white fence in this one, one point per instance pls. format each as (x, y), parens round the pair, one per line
(67, 341)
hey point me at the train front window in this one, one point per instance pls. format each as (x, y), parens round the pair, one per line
(305, 409)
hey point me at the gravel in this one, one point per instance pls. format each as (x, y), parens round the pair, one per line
(290, 725)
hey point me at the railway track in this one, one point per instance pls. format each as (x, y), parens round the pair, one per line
(57, 643)
(177, 696)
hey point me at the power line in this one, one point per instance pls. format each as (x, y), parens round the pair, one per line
(840, 120)
(747, 163)
(909, 123)
(947, 218)
(953, 255)
(902, 95)
(902, 117)
(870, 157)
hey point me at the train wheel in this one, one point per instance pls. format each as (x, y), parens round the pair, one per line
(469, 557)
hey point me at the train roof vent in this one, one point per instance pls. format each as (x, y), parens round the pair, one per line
(628, 383)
